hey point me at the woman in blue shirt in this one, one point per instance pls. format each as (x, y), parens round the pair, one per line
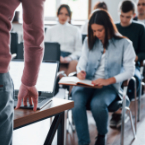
(107, 59)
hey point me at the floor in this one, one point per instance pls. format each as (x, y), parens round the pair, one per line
(35, 134)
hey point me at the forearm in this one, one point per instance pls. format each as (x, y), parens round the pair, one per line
(124, 76)
(32, 65)
(33, 40)
(111, 80)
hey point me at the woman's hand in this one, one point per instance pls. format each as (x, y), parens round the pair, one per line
(104, 82)
(65, 59)
(81, 75)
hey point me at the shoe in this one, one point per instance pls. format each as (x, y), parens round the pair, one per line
(101, 140)
(115, 121)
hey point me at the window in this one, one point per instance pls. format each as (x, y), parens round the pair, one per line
(79, 9)
(50, 9)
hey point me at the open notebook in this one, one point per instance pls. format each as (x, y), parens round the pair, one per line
(75, 81)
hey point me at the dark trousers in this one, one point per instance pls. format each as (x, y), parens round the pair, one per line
(130, 91)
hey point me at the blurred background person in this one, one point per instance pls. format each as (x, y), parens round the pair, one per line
(136, 33)
(69, 38)
(141, 11)
(102, 5)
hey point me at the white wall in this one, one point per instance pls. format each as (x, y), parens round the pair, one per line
(112, 7)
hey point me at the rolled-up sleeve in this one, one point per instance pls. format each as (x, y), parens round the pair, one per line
(84, 57)
(128, 64)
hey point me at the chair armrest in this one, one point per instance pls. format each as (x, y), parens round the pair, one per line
(72, 74)
(61, 73)
(142, 63)
(125, 83)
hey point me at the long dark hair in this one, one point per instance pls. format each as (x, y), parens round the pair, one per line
(102, 17)
(67, 8)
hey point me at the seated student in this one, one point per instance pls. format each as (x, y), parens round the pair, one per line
(102, 5)
(136, 33)
(141, 11)
(105, 53)
(69, 38)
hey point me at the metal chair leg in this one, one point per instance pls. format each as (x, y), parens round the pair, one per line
(135, 107)
(139, 102)
(131, 120)
(123, 116)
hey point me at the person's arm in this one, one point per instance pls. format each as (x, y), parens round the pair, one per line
(128, 65)
(33, 50)
(141, 47)
(84, 57)
(77, 46)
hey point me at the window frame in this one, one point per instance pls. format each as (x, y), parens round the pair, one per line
(58, 3)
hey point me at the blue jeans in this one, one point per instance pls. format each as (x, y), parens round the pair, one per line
(99, 100)
(6, 109)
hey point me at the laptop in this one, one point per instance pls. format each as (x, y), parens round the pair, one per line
(45, 84)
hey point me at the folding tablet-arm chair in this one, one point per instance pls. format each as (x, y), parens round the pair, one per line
(124, 105)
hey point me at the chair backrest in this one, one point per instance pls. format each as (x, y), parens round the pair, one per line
(14, 42)
(20, 51)
(52, 51)
(83, 37)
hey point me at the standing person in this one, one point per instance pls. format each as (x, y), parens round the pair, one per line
(33, 53)
(141, 11)
(136, 33)
(104, 55)
(101, 5)
(69, 38)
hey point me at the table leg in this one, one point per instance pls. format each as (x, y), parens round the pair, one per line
(58, 123)
(60, 133)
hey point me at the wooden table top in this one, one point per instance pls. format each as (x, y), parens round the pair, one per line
(26, 116)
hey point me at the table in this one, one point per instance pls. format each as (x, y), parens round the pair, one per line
(56, 108)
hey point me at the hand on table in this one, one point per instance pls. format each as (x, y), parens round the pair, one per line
(65, 59)
(81, 75)
(27, 93)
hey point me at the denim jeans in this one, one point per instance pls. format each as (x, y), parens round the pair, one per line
(99, 100)
(6, 109)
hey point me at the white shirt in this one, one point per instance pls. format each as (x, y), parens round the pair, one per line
(100, 71)
(142, 21)
(68, 36)
(84, 28)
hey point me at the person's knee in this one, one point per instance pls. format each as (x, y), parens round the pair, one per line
(98, 107)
